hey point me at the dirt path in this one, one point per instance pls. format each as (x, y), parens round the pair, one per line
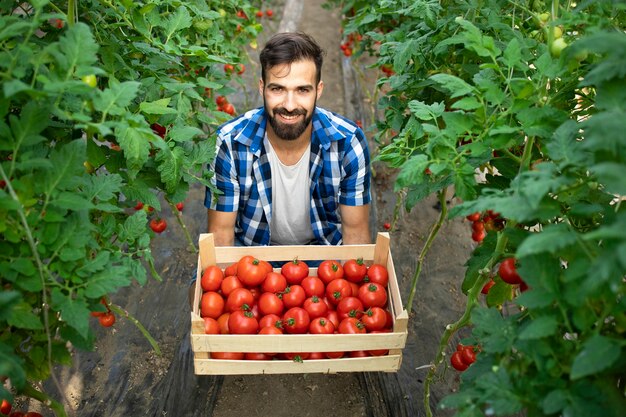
(125, 377)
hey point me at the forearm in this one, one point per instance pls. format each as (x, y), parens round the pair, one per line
(355, 228)
(222, 226)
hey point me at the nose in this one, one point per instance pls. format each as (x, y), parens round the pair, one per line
(289, 103)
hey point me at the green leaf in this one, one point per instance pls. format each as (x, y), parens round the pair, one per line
(67, 161)
(8, 299)
(74, 311)
(116, 98)
(26, 129)
(107, 281)
(103, 187)
(133, 227)
(22, 317)
(497, 332)
(71, 201)
(542, 326)
(555, 401)
(513, 53)
(564, 149)
(467, 103)
(76, 48)
(170, 166)
(425, 111)
(157, 107)
(598, 353)
(552, 238)
(455, 86)
(184, 133)
(611, 175)
(136, 146)
(178, 21)
(536, 298)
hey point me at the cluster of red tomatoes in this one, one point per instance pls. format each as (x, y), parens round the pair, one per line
(348, 46)
(5, 409)
(224, 105)
(250, 297)
(483, 223)
(105, 318)
(463, 357)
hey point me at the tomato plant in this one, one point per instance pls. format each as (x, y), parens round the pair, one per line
(78, 151)
(516, 112)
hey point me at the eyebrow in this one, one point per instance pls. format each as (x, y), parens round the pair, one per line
(306, 86)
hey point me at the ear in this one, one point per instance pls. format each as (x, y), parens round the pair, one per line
(261, 85)
(320, 88)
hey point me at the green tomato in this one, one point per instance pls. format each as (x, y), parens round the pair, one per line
(557, 47)
(90, 80)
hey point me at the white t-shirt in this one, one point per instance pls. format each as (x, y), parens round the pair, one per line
(291, 200)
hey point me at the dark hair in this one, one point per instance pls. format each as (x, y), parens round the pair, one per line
(290, 47)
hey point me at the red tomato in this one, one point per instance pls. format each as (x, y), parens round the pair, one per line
(358, 354)
(487, 287)
(259, 13)
(337, 290)
(297, 356)
(270, 320)
(333, 317)
(221, 100)
(212, 278)
(230, 270)
(227, 355)
(229, 108)
(5, 407)
(107, 319)
(351, 325)
(378, 352)
(329, 270)
(270, 330)
(211, 305)
(296, 320)
(229, 284)
(239, 299)
(274, 282)
(350, 307)
(473, 217)
(468, 356)
(321, 325)
(222, 321)
(508, 272)
(457, 362)
(313, 286)
(334, 355)
(158, 225)
(211, 326)
(33, 414)
(378, 273)
(229, 68)
(354, 270)
(375, 318)
(315, 306)
(317, 355)
(295, 271)
(479, 236)
(478, 226)
(373, 295)
(293, 296)
(139, 205)
(270, 303)
(355, 289)
(251, 271)
(269, 13)
(257, 356)
(180, 206)
(242, 322)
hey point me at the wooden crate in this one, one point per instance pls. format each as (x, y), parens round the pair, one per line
(395, 341)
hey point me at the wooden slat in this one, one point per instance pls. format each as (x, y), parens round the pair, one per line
(388, 363)
(296, 342)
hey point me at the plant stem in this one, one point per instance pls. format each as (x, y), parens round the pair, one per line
(192, 247)
(429, 241)
(451, 329)
(57, 407)
(121, 312)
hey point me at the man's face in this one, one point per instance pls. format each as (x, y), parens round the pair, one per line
(290, 94)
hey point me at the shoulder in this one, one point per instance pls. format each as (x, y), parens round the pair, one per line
(244, 128)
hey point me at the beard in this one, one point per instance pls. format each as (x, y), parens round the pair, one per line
(288, 131)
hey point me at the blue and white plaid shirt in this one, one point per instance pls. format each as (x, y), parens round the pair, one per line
(339, 173)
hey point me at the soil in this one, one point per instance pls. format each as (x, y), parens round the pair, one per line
(125, 377)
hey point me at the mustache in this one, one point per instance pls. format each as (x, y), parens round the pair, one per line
(284, 112)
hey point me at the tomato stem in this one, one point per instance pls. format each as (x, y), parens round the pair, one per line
(179, 218)
(121, 312)
(57, 407)
(451, 329)
(429, 241)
